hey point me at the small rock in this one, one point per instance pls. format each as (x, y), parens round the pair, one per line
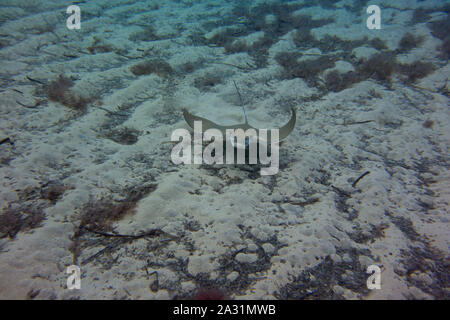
(233, 276)
(268, 248)
(246, 257)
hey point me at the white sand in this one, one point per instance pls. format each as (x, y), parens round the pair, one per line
(223, 215)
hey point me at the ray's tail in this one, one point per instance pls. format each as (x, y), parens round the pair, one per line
(242, 103)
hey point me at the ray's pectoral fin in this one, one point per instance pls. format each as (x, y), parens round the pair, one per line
(288, 127)
(284, 131)
(206, 124)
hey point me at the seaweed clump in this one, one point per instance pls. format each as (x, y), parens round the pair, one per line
(311, 68)
(125, 136)
(188, 67)
(440, 28)
(208, 81)
(336, 81)
(380, 66)
(157, 66)
(420, 15)
(98, 47)
(52, 191)
(303, 38)
(99, 215)
(258, 50)
(307, 70)
(13, 221)
(428, 124)
(59, 90)
(416, 70)
(223, 38)
(378, 44)
(408, 42)
(287, 60)
(283, 21)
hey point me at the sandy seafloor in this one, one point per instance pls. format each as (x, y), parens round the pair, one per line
(305, 233)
